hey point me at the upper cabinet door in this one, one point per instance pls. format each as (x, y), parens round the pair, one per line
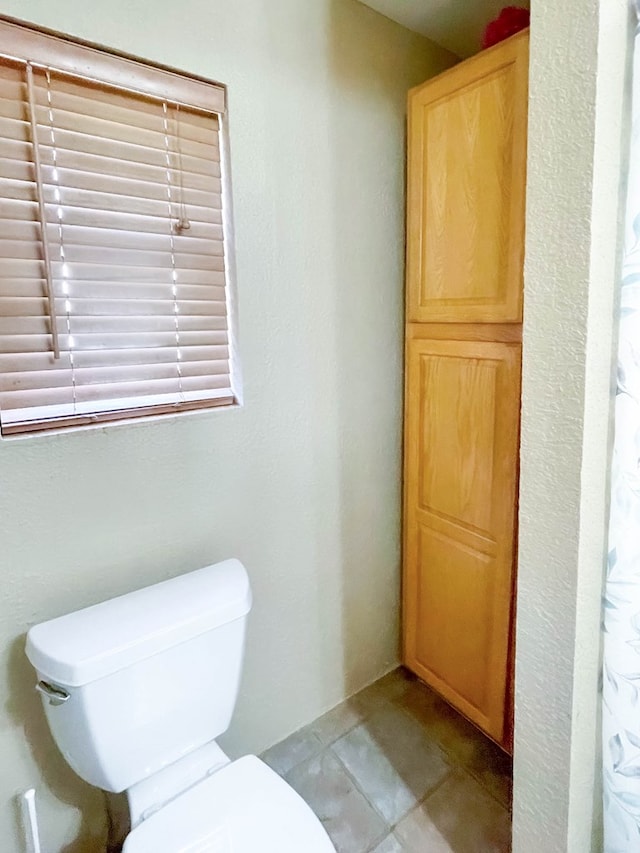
(466, 190)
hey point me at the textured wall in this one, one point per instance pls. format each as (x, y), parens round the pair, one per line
(578, 66)
(303, 483)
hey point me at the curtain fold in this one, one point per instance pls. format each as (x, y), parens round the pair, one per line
(621, 682)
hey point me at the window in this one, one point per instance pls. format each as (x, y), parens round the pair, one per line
(115, 257)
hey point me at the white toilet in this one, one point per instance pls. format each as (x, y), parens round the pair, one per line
(136, 689)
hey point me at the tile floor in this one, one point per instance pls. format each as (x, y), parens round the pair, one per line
(396, 770)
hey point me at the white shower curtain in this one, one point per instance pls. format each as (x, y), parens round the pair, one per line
(621, 683)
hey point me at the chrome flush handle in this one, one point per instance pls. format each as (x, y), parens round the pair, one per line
(54, 695)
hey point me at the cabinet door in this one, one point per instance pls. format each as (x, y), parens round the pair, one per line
(461, 452)
(466, 190)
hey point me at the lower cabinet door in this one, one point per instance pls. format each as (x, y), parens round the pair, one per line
(462, 413)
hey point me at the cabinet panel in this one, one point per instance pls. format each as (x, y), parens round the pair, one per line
(466, 183)
(454, 589)
(461, 450)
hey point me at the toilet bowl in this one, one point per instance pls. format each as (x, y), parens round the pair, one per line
(137, 689)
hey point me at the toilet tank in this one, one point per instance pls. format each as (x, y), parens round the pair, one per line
(150, 676)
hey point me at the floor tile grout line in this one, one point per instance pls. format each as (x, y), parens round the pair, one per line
(377, 844)
(392, 826)
(487, 789)
(284, 774)
(362, 793)
(452, 759)
(423, 800)
(441, 751)
(430, 793)
(365, 715)
(447, 756)
(343, 733)
(467, 772)
(309, 728)
(454, 762)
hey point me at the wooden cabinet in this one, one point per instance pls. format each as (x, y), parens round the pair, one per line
(462, 440)
(467, 151)
(467, 159)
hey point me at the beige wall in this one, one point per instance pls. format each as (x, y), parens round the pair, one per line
(579, 58)
(303, 483)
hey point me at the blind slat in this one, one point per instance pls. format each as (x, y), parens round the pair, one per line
(39, 344)
(134, 146)
(35, 307)
(99, 202)
(14, 130)
(19, 385)
(17, 289)
(80, 133)
(128, 162)
(83, 235)
(25, 268)
(106, 256)
(197, 192)
(84, 262)
(32, 362)
(99, 156)
(111, 390)
(93, 107)
(16, 210)
(139, 149)
(126, 197)
(123, 325)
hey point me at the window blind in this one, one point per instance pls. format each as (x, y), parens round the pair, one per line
(123, 192)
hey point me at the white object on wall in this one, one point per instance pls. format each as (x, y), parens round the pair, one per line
(30, 820)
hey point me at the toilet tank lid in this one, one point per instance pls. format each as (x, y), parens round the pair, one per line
(89, 644)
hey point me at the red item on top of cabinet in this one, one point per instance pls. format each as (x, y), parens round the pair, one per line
(510, 21)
